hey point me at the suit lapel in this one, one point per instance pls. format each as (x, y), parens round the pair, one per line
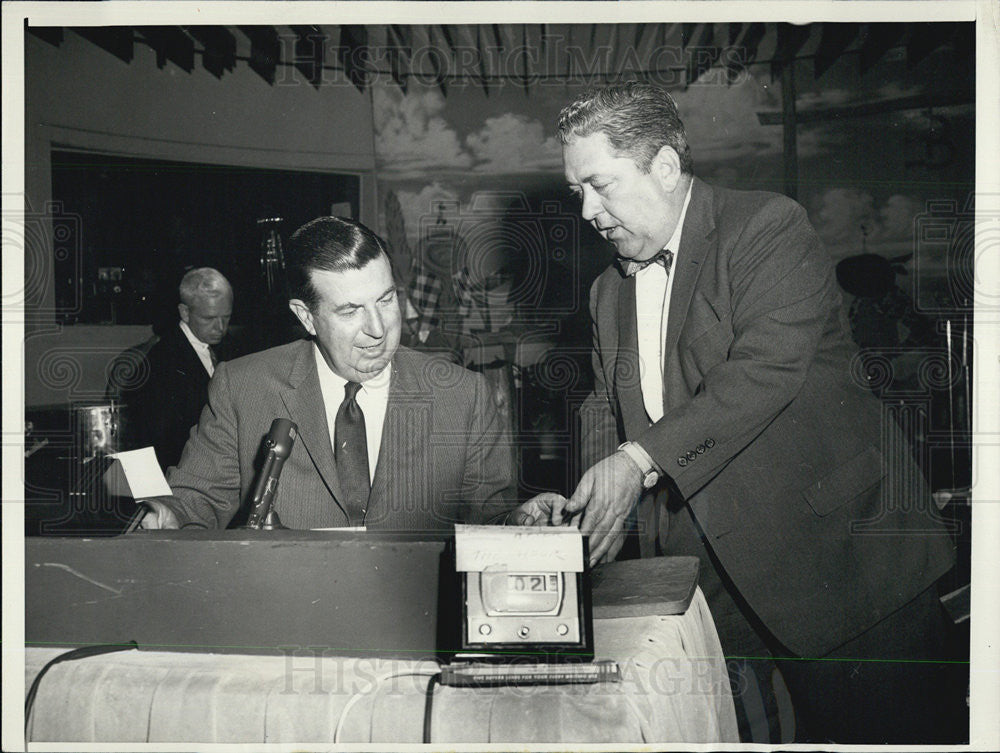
(627, 385)
(187, 361)
(304, 400)
(695, 245)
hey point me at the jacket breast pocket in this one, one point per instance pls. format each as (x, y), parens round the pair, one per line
(709, 347)
(846, 482)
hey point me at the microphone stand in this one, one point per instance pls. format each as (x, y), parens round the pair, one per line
(272, 522)
(262, 516)
(278, 442)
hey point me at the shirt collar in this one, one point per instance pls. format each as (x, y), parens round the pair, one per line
(334, 382)
(192, 338)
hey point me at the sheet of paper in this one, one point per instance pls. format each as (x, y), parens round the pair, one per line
(479, 548)
(142, 473)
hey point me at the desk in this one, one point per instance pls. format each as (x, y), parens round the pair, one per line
(674, 689)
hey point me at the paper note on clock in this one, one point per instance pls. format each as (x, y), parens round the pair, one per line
(480, 548)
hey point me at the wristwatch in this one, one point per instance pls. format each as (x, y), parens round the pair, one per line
(639, 456)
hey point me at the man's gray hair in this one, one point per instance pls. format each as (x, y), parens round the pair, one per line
(638, 119)
(203, 282)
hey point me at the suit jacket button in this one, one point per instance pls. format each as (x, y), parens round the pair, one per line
(682, 462)
(710, 443)
(700, 449)
(691, 455)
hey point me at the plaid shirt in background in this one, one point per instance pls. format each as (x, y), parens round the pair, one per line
(424, 293)
(473, 307)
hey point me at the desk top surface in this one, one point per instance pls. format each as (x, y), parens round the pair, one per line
(260, 592)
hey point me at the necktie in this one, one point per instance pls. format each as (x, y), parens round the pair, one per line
(351, 453)
(212, 356)
(664, 258)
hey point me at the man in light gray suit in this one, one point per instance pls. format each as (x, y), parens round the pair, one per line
(387, 438)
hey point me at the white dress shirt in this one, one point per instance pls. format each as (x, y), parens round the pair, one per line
(373, 397)
(200, 348)
(652, 302)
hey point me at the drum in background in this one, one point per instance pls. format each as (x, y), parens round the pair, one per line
(100, 429)
(70, 448)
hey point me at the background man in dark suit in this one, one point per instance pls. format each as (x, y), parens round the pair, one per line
(169, 398)
(388, 438)
(722, 367)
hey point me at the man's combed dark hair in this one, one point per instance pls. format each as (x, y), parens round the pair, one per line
(638, 119)
(328, 244)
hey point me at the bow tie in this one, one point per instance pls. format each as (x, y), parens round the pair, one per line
(665, 258)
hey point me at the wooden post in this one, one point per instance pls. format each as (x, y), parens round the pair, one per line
(789, 128)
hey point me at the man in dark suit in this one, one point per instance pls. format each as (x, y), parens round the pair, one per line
(721, 366)
(387, 438)
(172, 378)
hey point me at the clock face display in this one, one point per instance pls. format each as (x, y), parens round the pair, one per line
(521, 593)
(522, 608)
(533, 582)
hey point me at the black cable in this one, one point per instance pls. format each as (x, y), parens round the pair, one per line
(77, 653)
(429, 705)
(137, 516)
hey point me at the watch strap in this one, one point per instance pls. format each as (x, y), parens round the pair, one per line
(635, 451)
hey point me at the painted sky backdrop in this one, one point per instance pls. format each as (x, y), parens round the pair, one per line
(877, 171)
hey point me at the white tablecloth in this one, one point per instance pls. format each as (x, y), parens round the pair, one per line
(674, 689)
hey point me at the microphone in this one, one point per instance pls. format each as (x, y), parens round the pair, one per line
(278, 443)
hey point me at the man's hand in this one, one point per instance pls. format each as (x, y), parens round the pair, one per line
(159, 516)
(537, 511)
(605, 494)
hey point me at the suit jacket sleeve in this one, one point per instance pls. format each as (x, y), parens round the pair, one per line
(167, 403)
(206, 481)
(781, 295)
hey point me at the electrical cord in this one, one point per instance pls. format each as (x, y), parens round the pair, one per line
(136, 519)
(77, 653)
(428, 705)
(374, 689)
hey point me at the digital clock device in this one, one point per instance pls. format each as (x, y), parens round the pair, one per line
(524, 594)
